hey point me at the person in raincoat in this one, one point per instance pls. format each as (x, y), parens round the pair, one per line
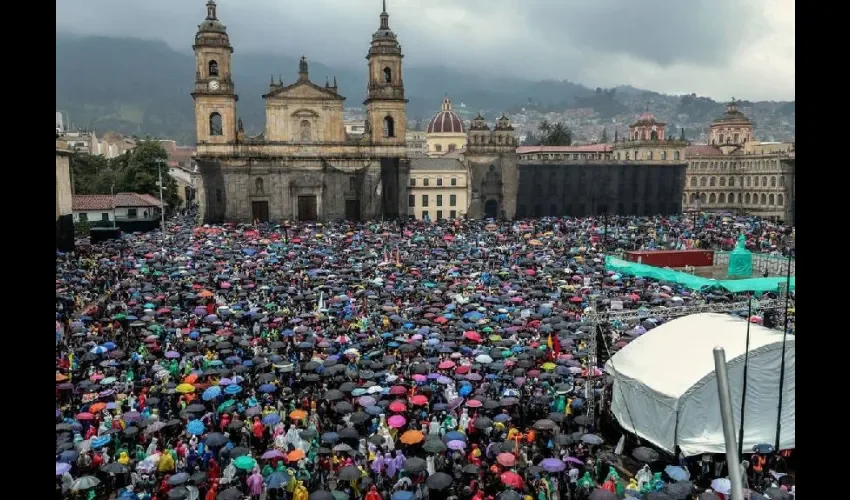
(255, 484)
(585, 482)
(166, 463)
(300, 492)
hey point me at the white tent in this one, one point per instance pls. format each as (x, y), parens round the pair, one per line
(665, 389)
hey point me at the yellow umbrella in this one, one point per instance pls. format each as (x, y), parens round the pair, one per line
(185, 388)
(548, 366)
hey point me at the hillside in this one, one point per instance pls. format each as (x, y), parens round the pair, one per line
(142, 87)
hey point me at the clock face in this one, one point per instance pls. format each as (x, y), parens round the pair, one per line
(214, 85)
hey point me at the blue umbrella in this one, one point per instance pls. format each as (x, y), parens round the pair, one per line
(195, 427)
(68, 456)
(677, 473)
(232, 389)
(403, 495)
(277, 480)
(98, 350)
(454, 436)
(267, 388)
(109, 345)
(211, 393)
(100, 441)
(271, 419)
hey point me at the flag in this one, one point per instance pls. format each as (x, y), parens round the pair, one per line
(549, 341)
(556, 345)
(380, 189)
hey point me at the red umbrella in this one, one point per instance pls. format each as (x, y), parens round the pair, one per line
(506, 459)
(85, 416)
(511, 479)
(398, 406)
(447, 364)
(473, 336)
(398, 389)
(419, 400)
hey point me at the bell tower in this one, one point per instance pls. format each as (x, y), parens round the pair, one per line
(214, 92)
(385, 102)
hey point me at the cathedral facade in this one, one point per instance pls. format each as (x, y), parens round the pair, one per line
(303, 166)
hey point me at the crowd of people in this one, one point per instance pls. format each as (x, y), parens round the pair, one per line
(376, 361)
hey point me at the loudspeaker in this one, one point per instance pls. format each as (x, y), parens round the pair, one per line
(65, 233)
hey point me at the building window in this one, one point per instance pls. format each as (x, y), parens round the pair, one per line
(637, 155)
(675, 155)
(731, 182)
(749, 181)
(773, 182)
(712, 199)
(213, 67)
(712, 182)
(755, 181)
(305, 130)
(782, 181)
(664, 155)
(438, 148)
(764, 181)
(426, 182)
(104, 216)
(763, 199)
(627, 155)
(131, 213)
(388, 75)
(735, 138)
(424, 200)
(412, 182)
(702, 181)
(439, 215)
(453, 181)
(453, 213)
(389, 127)
(425, 214)
(439, 181)
(439, 200)
(84, 217)
(649, 155)
(693, 182)
(770, 200)
(720, 138)
(780, 200)
(215, 124)
(352, 184)
(452, 200)
(722, 181)
(722, 198)
(452, 147)
(411, 200)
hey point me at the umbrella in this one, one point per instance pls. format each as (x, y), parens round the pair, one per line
(244, 462)
(412, 437)
(645, 454)
(600, 494)
(215, 439)
(85, 483)
(195, 427)
(677, 473)
(62, 467)
(414, 464)
(722, 485)
(552, 465)
(349, 473)
(179, 478)
(434, 446)
(592, 439)
(506, 459)
(511, 479)
(232, 493)
(439, 481)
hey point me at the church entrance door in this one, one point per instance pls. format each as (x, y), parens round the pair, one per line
(491, 209)
(307, 208)
(352, 210)
(260, 211)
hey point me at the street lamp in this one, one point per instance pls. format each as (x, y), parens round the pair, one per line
(159, 163)
(112, 195)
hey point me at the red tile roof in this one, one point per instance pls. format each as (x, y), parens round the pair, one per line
(588, 148)
(93, 202)
(702, 150)
(86, 202)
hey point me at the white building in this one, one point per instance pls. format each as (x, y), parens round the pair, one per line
(103, 209)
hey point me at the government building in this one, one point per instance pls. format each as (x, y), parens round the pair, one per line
(737, 174)
(304, 166)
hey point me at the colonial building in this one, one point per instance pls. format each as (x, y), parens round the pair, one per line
(439, 188)
(446, 131)
(303, 166)
(491, 158)
(417, 144)
(737, 174)
(642, 174)
(64, 215)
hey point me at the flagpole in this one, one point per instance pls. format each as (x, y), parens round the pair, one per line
(746, 364)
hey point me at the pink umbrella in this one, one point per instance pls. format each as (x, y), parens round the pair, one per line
(445, 365)
(506, 459)
(396, 421)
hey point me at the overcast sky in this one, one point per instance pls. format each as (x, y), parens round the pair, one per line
(717, 48)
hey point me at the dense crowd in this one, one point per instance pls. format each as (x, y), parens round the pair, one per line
(376, 361)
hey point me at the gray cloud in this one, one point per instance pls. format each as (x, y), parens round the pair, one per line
(712, 47)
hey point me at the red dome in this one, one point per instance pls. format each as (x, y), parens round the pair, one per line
(446, 121)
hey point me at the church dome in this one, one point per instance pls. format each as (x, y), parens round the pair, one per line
(446, 121)
(211, 24)
(646, 118)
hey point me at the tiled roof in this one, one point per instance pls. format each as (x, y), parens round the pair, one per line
(588, 148)
(86, 202)
(438, 163)
(702, 150)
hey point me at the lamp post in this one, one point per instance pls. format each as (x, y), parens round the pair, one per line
(159, 163)
(112, 196)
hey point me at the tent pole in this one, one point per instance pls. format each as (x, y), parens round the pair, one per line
(746, 364)
(725, 396)
(782, 365)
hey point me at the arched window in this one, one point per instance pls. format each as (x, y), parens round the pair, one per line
(258, 185)
(213, 68)
(702, 198)
(722, 198)
(712, 181)
(452, 147)
(215, 124)
(388, 75)
(782, 180)
(770, 200)
(756, 181)
(731, 197)
(723, 182)
(720, 138)
(684, 201)
(712, 199)
(763, 199)
(649, 155)
(389, 127)
(675, 155)
(773, 182)
(731, 182)
(305, 130)
(693, 182)
(438, 148)
(693, 198)
(664, 155)
(750, 181)
(764, 181)
(654, 135)
(780, 200)
(747, 199)
(702, 181)
(627, 155)
(740, 198)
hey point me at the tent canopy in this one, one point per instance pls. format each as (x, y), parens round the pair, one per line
(665, 389)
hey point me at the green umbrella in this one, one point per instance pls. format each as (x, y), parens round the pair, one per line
(245, 463)
(227, 404)
(120, 317)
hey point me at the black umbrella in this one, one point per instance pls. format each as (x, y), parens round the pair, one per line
(321, 495)
(658, 495)
(229, 494)
(179, 493)
(645, 454)
(349, 473)
(215, 439)
(439, 481)
(114, 468)
(434, 446)
(600, 494)
(414, 464)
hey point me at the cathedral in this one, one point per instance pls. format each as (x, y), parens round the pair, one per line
(303, 166)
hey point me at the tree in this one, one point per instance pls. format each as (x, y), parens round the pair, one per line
(555, 135)
(604, 138)
(141, 168)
